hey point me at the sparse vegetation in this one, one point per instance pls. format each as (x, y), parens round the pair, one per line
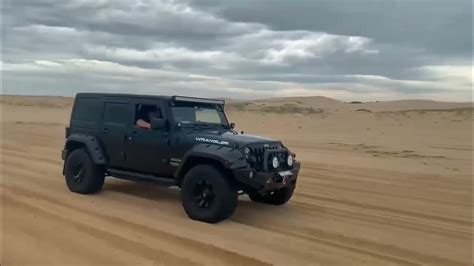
(36, 101)
(237, 106)
(457, 111)
(454, 115)
(286, 108)
(291, 109)
(364, 110)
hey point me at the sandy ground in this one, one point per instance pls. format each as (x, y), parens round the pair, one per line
(382, 187)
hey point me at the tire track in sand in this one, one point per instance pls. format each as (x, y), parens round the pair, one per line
(45, 205)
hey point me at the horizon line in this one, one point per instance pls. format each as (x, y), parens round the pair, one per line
(253, 99)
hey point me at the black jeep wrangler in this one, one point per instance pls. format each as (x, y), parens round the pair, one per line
(174, 141)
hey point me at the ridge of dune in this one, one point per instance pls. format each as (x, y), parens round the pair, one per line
(314, 102)
(309, 100)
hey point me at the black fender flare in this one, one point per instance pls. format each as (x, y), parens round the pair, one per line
(90, 143)
(227, 157)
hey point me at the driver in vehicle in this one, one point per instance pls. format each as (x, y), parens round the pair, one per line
(147, 115)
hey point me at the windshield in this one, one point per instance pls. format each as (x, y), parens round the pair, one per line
(192, 114)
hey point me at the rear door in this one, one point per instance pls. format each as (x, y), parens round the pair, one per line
(117, 117)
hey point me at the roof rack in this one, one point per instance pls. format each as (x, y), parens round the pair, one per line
(197, 100)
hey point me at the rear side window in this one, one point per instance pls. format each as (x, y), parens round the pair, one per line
(116, 113)
(87, 110)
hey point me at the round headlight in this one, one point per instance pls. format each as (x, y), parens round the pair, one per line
(290, 160)
(275, 162)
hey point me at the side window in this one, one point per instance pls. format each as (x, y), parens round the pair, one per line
(87, 110)
(147, 111)
(116, 113)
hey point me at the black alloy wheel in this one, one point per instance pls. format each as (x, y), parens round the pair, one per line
(203, 194)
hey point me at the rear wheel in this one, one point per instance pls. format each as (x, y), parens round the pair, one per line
(277, 197)
(82, 174)
(208, 195)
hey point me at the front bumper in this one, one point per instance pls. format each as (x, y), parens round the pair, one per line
(266, 181)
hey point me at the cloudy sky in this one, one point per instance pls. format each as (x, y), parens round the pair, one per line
(345, 49)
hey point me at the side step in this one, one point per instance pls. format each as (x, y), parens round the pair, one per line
(163, 181)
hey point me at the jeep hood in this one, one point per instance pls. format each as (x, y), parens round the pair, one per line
(228, 138)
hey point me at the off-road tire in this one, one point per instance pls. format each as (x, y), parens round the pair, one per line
(277, 197)
(90, 180)
(224, 200)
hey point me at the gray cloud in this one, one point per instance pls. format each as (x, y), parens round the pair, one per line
(345, 49)
(439, 26)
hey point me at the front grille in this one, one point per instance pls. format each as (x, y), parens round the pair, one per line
(257, 157)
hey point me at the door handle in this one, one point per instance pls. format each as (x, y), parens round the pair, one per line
(105, 130)
(130, 137)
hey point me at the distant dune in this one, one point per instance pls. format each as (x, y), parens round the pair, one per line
(318, 103)
(310, 101)
(37, 101)
(312, 104)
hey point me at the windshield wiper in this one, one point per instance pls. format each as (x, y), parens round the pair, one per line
(199, 125)
(203, 125)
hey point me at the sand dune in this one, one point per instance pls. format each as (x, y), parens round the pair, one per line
(314, 102)
(392, 186)
(320, 102)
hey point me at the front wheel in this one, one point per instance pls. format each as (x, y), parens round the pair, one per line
(208, 195)
(277, 197)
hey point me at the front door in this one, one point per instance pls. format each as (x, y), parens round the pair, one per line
(146, 150)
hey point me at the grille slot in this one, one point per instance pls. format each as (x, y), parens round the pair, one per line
(257, 157)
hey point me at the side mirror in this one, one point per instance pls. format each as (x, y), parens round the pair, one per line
(157, 124)
(232, 125)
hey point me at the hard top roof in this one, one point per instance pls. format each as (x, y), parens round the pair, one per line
(155, 97)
